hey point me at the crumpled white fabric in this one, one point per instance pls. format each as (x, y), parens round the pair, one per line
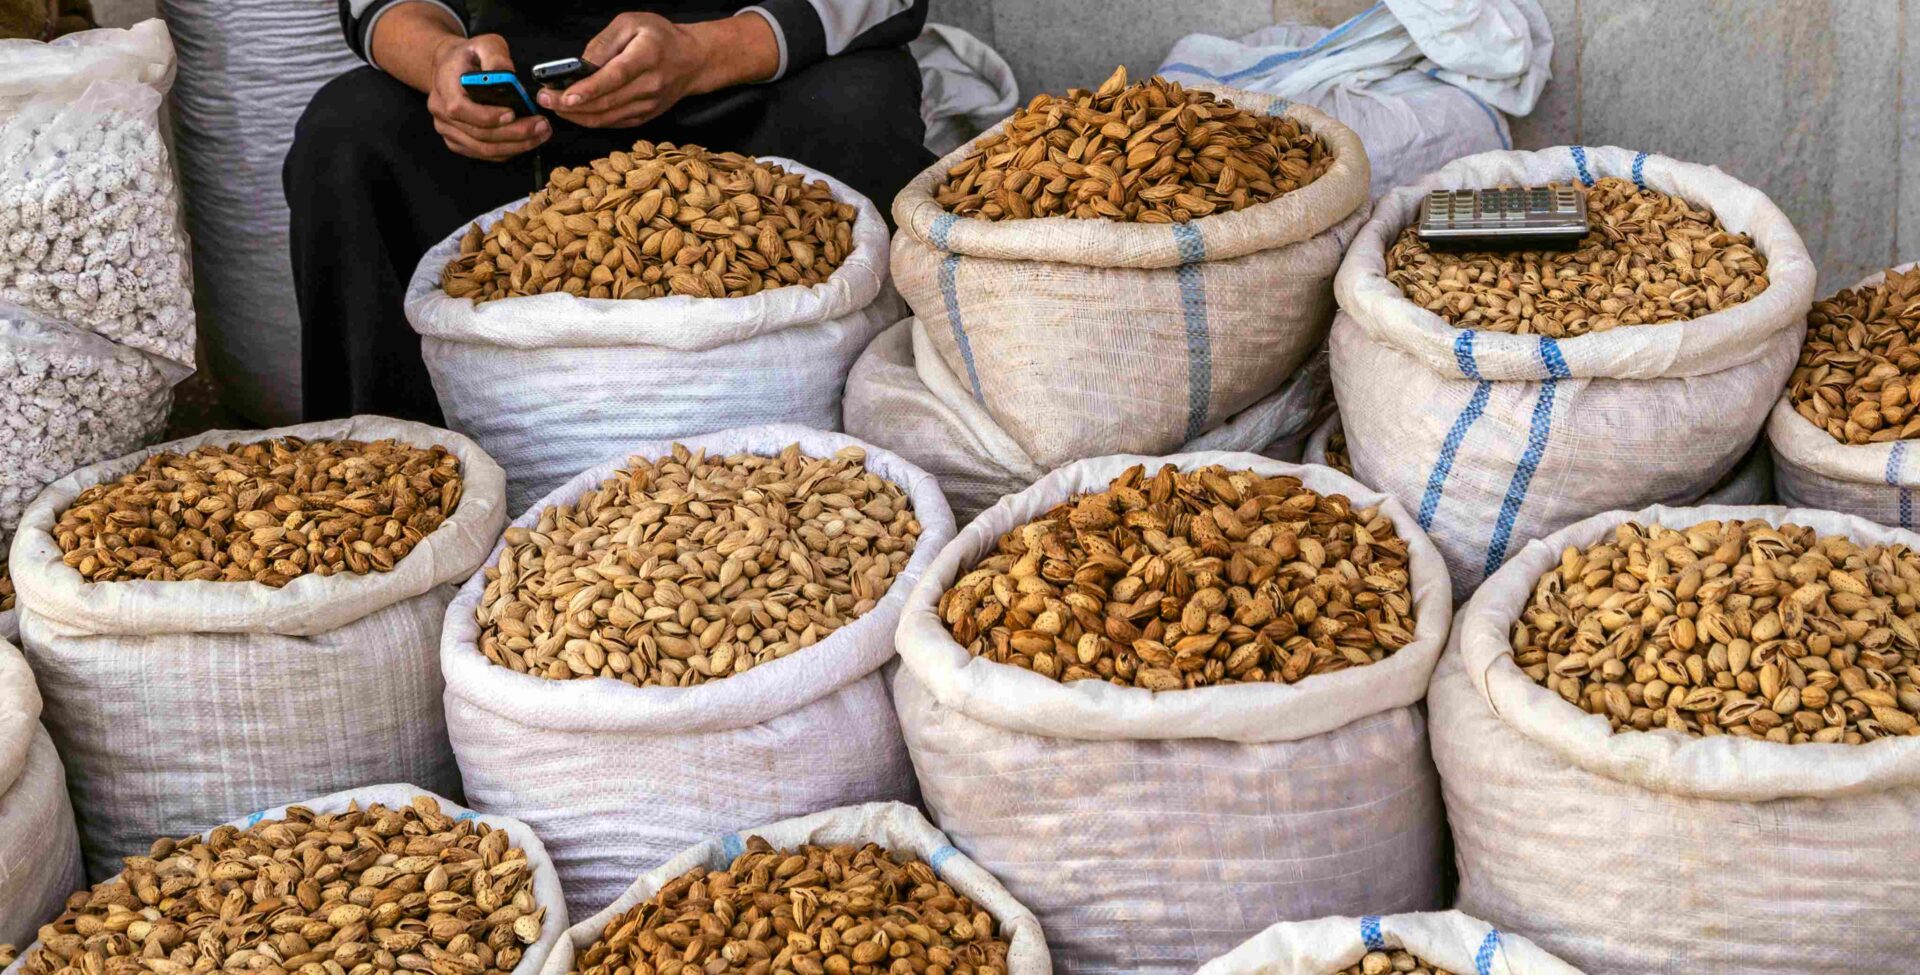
(965, 86)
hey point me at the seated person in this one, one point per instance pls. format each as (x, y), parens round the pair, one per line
(391, 158)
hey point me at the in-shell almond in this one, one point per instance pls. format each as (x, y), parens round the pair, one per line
(1859, 374)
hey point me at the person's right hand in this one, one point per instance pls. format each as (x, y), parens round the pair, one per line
(470, 128)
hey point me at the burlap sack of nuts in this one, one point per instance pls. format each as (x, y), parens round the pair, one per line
(1494, 439)
(176, 703)
(1183, 821)
(892, 825)
(616, 777)
(1875, 480)
(539, 879)
(1708, 850)
(39, 849)
(1085, 337)
(542, 382)
(1436, 943)
(902, 396)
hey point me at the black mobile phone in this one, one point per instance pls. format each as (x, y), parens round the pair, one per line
(501, 88)
(561, 73)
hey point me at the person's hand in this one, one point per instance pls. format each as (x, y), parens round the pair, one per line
(470, 128)
(647, 63)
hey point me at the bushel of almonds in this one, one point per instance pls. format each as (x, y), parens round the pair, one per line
(264, 512)
(1190, 578)
(1152, 152)
(373, 889)
(1859, 375)
(1391, 962)
(692, 567)
(655, 221)
(1727, 627)
(1648, 258)
(815, 910)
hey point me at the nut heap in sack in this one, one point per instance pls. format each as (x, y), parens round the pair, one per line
(1648, 258)
(1188, 579)
(690, 567)
(1731, 627)
(1859, 376)
(838, 910)
(367, 889)
(659, 220)
(1392, 963)
(1151, 152)
(263, 512)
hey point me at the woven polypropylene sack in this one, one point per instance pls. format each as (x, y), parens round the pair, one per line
(546, 883)
(892, 825)
(176, 703)
(1493, 439)
(1448, 940)
(549, 382)
(1177, 824)
(902, 396)
(1718, 854)
(1090, 337)
(39, 850)
(1813, 470)
(617, 778)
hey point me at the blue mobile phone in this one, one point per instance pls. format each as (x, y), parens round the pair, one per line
(500, 88)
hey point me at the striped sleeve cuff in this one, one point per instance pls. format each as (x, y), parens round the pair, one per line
(798, 30)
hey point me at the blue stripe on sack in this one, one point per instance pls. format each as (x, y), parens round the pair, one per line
(254, 820)
(1538, 433)
(1279, 106)
(463, 817)
(1193, 306)
(1493, 114)
(1275, 60)
(941, 856)
(1483, 959)
(731, 846)
(942, 227)
(1580, 164)
(950, 290)
(1640, 170)
(1896, 458)
(1450, 447)
(1370, 932)
(1463, 354)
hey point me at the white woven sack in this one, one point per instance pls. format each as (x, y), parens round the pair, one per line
(544, 381)
(893, 825)
(1493, 440)
(175, 703)
(39, 850)
(1445, 939)
(902, 396)
(1813, 470)
(617, 778)
(546, 883)
(1091, 337)
(1149, 831)
(1656, 852)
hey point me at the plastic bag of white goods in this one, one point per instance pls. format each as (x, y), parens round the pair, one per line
(902, 396)
(893, 826)
(1448, 941)
(1871, 473)
(1090, 336)
(546, 381)
(175, 702)
(617, 776)
(39, 850)
(1493, 438)
(1180, 822)
(89, 211)
(1574, 833)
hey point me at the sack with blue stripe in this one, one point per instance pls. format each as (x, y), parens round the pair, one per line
(1083, 338)
(1662, 852)
(902, 396)
(39, 849)
(1495, 439)
(892, 825)
(1448, 940)
(1876, 481)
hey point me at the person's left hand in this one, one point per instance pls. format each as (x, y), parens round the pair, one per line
(647, 63)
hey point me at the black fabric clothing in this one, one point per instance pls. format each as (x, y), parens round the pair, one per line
(371, 186)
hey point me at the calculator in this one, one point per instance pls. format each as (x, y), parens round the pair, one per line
(1506, 218)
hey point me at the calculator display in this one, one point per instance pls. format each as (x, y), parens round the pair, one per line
(1504, 218)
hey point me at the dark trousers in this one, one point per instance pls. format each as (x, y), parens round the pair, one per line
(371, 186)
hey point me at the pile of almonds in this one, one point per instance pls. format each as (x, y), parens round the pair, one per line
(1337, 453)
(1648, 258)
(264, 512)
(1739, 628)
(687, 568)
(816, 910)
(1152, 152)
(1187, 579)
(1859, 376)
(1394, 962)
(366, 890)
(656, 221)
